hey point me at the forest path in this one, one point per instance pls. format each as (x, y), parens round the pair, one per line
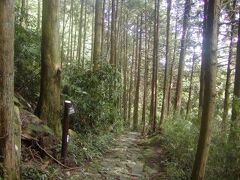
(129, 158)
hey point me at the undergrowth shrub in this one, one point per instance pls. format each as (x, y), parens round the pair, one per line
(37, 173)
(95, 96)
(180, 139)
(27, 63)
(86, 147)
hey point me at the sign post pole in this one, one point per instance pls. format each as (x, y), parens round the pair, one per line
(68, 110)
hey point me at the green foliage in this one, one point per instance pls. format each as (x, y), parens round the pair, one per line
(27, 63)
(95, 96)
(34, 173)
(179, 139)
(86, 147)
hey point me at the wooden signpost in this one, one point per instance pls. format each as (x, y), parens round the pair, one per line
(68, 111)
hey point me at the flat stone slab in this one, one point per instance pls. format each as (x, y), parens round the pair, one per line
(125, 161)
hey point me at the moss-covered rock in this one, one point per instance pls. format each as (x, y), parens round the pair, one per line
(32, 125)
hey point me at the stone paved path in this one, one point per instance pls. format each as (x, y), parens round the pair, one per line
(129, 159)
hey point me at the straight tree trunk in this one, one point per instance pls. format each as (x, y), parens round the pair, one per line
(23, 19)
(228, 79)
(202, 73)
(207, 116)
(98, 34)
(130, 88)
(138, 79)
(103, 28)
(71, 34)
(234, 136)
(189, 102)
(84, 36)
(39, 16)
(125, 73)
(113, 35)
(153, 106)
(166, 73)
(7, 142)
(63, 32)
(172, 69)
(48, 107)
(93, 25)
(79, 48)
(75, 41)
(178, 96)
(146, 67)
(69, 37)
(108, 30)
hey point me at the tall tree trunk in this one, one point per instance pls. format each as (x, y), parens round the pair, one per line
(228, 79)
(103, 28)
(84, 36)
(72, 28)
(207, 116)
(172, 69)
(98, 34)
(23, 19)
(166, 73)
(146, 67)
(189, 102)
(202, 73)
(48, 107)
(178, 96)
(130, 88)
(234, 137)
(39, 16)
(79, 48)
(75, 41)
(69, 36)
(63, 32)
(7, 135)
(93, 24)
(125, 72)
(113, 35)
(138, 78)
(153, 107)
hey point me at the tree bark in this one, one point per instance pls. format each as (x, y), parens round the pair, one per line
(166, 73)
(125, 72)
(178, 96)
(153, 107)
(228, 78)
(103, 29)
(113, 35)
(84, 37)
(138, 79)
(48, 107)
(130, 89)
(171, 73)
(207, 116)
(63, 32)
(146, 67)
(79, 48)
(8, 149)
(234, 136)
(202, 73)
(189, 102)
(98, 34)
(39, 16)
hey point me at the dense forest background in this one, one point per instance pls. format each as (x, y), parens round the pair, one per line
(168, 69)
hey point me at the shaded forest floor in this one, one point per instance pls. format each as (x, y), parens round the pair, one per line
(131, 157)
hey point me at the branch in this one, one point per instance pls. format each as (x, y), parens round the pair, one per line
(58, 162)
